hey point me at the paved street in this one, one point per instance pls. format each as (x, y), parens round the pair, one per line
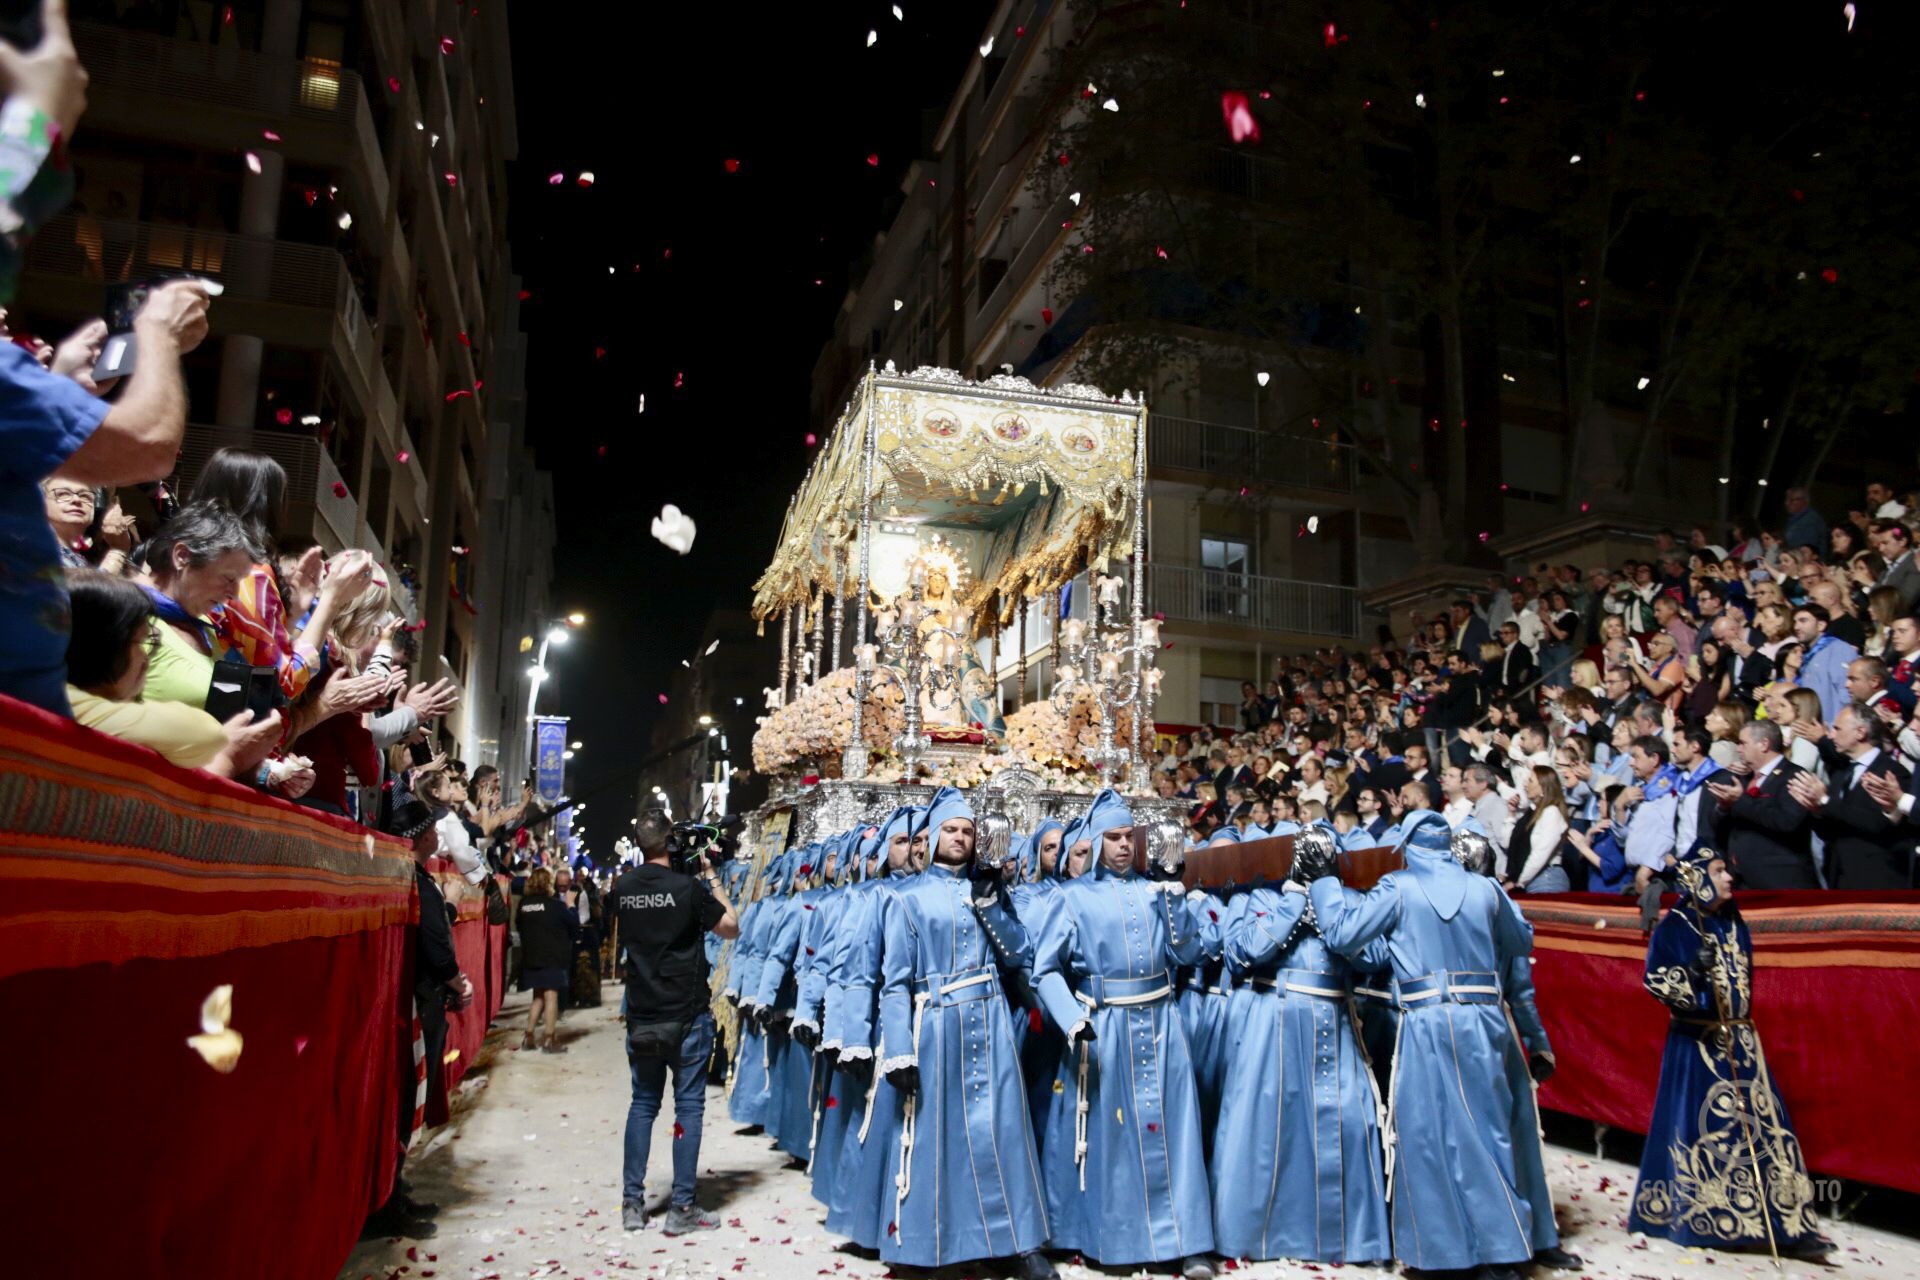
(528, 1177)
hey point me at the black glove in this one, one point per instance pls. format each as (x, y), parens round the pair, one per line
(905, 1080)
(1541, 1065)
(806, 1035)
(1316, 859)
(1082, 1033)
(861, 1068)
(984, 886)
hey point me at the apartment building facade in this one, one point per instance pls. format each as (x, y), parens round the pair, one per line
(339, 166)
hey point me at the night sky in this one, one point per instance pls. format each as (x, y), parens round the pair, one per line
(655, 110)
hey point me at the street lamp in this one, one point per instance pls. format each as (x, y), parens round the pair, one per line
(538, 672)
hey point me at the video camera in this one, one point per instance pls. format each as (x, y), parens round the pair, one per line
(714, 841)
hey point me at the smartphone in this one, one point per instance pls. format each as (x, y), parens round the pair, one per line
(123, 305)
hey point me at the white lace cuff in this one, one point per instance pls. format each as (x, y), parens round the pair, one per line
(831, 1046)
(803, 1022)
(855, 1053)
(893, 1064)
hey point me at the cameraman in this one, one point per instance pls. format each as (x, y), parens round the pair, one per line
(662, 913)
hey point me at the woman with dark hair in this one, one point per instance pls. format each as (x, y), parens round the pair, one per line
(196, 562)
(107, 655)
(253, 626)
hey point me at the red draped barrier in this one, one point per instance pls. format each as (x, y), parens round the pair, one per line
(1836, 1000)
(131, 890)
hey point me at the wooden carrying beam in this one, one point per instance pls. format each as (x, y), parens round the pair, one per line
(1224, 866)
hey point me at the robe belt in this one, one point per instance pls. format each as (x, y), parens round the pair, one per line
(943, 989)
(1198, 983)
(1464, 987)
(1097, 992)
(1306, 982)
(1374, 993)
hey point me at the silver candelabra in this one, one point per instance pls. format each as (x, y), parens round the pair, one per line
(920, 659)
(1112, 657)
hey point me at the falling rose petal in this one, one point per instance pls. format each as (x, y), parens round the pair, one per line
(986, 50)
(555, 178)
(403, 457)
(1313, 524)
(1850, 12)
(253, 162)
(600, 452)
(585, 179)
(525, 294)
(897, 304)
(283, 416)
(465, 341)
(599, 353)
(393, 82)
(446, 44)
(663, 698)
(1263, 377)
(300, 1047)
(643, 403)
(311, 196)
(674, 528)
(1111, 104)
(1330, 35)
(873, 38)
(730, 165)
(339, 488)
(1238, 114)
(679, 379)
(270, 135)
(1830, 275)
(899, 15)
(1046, 315)
(453, 179)
(455, 395)
(1159, 251)
(873, 159)
(218, 1043)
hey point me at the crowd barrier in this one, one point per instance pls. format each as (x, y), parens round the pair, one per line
(131, 891)
(1836, 991)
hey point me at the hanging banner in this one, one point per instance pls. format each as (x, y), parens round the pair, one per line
(549, 754)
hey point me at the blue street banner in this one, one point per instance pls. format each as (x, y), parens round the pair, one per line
(550, 745)
(563, 828)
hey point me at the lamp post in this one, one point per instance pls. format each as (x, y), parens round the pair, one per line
(559, 634)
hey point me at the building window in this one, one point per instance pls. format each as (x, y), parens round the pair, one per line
(1225, 563)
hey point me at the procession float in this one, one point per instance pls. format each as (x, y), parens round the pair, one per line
(959, 595)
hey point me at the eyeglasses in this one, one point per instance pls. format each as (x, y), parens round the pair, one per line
(61, 494)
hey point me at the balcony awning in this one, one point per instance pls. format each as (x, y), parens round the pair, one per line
(1032, 484)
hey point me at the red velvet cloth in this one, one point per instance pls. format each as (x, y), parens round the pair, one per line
(133, 889)
(482, 952)
(1836, 1001)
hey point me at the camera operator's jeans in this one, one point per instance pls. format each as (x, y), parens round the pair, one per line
(689, 1107)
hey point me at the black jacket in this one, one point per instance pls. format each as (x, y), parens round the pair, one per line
(1767, 835)
(547, 928)
(1863, 849)
(434, 963)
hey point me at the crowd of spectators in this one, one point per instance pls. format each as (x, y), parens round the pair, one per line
(199, 628)
(1753, 689)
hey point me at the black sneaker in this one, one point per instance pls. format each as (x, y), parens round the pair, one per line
(1197, 1267)
(418, 1208)
(633, 1215)
(391, 1219)
(1558, 1259)
(1035, 1266)
(684, 1221)
(1808, 1248)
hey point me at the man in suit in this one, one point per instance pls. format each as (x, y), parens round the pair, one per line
(1864, 850)
(1893, 541)
(1751, 669)
(1517, 667)
(1903, 656)
(1469, 630)
(1767, 834)
(1696, 768)
(1868, 681)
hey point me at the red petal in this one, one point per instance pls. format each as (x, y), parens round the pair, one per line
(832, 1102)
(1034, 1021)
(339, 488)
(678, 1132)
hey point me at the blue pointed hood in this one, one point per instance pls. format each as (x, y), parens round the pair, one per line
(867, 846)
(947, 803)
(1427, 844)
(1030, 868)
(1025, 855)
(1107, 812)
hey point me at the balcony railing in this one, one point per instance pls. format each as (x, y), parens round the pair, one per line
(217, 75)
(255, 268)
(1244, 455)
(1247, 600)
(311, 476)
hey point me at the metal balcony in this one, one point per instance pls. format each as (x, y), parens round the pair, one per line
(311, 475)
(187, 91)
(1243, 455)
(1247, 600)
(253, 268)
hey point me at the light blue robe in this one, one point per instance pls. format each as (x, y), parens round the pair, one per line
(968, 1174)
(748, 1102)
(1206, 990)
(1301, 1176)
(860, 1206)
(789, 1063)
(1455, 1190)
(1146, 1197)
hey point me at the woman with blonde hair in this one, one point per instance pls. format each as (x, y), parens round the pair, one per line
(547, 931)
(1884, 604)
(1584, 674)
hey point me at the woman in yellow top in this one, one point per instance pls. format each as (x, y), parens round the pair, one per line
(107, 658)
(195, 562)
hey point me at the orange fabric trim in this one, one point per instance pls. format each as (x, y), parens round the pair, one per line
(161, 869)
(67, 939)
